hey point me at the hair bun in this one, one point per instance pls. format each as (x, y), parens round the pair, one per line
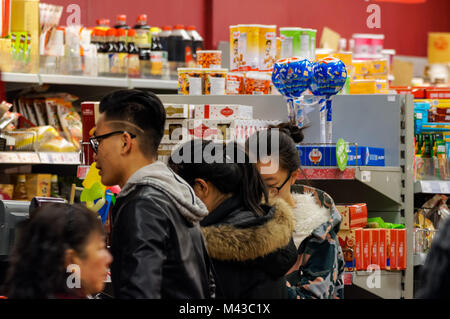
(293, 131)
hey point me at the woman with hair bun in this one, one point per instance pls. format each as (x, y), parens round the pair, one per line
(318, 272)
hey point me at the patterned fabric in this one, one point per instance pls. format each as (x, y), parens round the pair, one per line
(321, 261)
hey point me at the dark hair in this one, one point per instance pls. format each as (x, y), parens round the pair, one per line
(226, 166)
(143, 109)
(289, 135)
(37, 267)
(435, 275)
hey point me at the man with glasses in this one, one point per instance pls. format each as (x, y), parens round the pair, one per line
(156, 241)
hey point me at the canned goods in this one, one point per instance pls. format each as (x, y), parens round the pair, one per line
(209, 59)
(215, 81)
(235, 56)
(298, 42)
(249, 47)
(190, 81)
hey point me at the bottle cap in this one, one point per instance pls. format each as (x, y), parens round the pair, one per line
(167, 28)
(142, 18)
(179, 27)
(122, 18)
(21, 178)
(54, 178)
(190, 28)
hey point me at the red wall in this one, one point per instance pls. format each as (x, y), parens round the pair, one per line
(405, 25)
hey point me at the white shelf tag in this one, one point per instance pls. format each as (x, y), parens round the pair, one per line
(366, 176)
(426, 187)
(444, 188)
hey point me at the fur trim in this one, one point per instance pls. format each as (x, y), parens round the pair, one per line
(308, 216)
(226, 242)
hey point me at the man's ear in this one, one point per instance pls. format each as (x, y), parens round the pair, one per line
(70, 257)
(126, 143)
(294, 176)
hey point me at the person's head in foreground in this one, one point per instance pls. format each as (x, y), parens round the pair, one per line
(57, 240)
(127, 134)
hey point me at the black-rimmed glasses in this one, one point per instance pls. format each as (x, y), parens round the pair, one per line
(95, 140)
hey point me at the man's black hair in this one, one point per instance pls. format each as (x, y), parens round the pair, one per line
(143, 109)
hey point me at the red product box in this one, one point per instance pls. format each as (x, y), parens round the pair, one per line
(401, 249)
(417, 92)
(375, 246)
(441, 118)
(353, 216)
(383, 249)
(351, 244)
(366, 249)
(89, 115)
(438, 93)
(393, 247)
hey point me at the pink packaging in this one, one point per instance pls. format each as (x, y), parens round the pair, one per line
(363, 44)
(377, 41)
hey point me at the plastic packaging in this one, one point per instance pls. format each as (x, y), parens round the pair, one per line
(20, 190)
(209, 59)
(197, 40)
(142, 31)
(180, 49)
(190, 81)
(164, 37)
(215, 81)
(235, 83)
(257, 83)
(267, 47)
(133, 55)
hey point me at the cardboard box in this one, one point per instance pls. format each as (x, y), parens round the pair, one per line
(38, 185)
(401, 249)
(223, 112)
(175, 131)
(366, 249)
(384, 249)
(375, 246)
(351, 244)
(373, 156)
(438, 93)
(393, 244)
(438, 47)
(177, 111)
(353, 216)
(419, 93)
(363, 87)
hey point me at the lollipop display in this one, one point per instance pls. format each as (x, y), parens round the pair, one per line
(292, 77)
(329, 76)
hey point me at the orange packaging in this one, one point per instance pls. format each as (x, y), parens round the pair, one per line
(5, 18)
(438, 93)
(383, 249)
(235, 83)
(353, 216)
(190, 81)
(401, 248)
(350, 241)
(375, 246)
(366, 249)
(393, 249)
(267, 47)
(209, 59)
(257, 83)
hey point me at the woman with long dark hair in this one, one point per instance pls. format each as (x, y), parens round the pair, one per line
(318, 272)
(248, 237)
(55, 241)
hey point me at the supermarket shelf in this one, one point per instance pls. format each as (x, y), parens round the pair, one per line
(387, 286)
(432, 187)
(33, 158)
(419, 259)
(385, 180)
(119, 82)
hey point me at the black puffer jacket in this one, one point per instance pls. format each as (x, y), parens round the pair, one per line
(250, 254)
(157, 244)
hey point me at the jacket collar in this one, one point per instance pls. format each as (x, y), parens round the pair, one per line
(236, 243)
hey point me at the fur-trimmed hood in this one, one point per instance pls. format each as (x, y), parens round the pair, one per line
(315, 214)
(239, 242)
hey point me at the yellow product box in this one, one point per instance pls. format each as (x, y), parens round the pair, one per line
(439, 47)
(360, 67)
(38, 185)
(363, 87)
(379, 66)
(178, 111)
(267, 47)
(249, 47)
(5, 55)
(381, 77)
(382, 86)
(346, 57)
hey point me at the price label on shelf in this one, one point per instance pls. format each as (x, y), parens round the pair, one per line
(82, 171)
(348, 278)
(426, 187)
(366, 176)
(8, 157)
(444, 188)
(28, 158)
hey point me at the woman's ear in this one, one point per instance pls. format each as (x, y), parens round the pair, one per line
(294, 176)
(201, 188)
(70, 257)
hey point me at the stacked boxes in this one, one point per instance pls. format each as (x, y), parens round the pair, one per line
(219, 123)
(353, 216)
